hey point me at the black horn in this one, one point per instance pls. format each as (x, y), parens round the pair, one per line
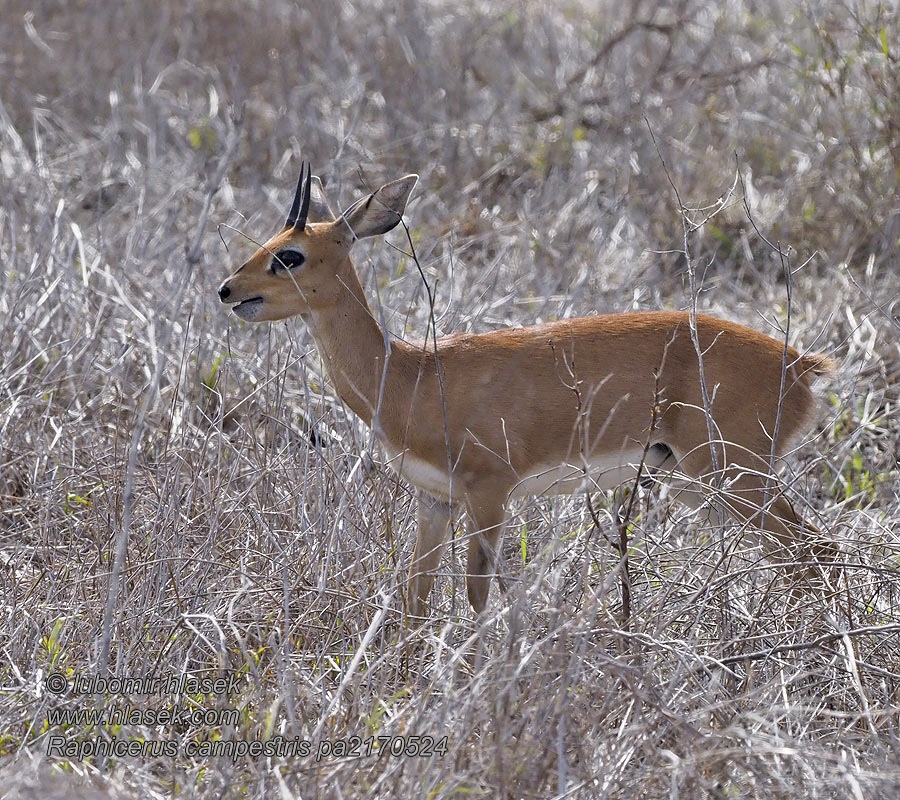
(300, 207)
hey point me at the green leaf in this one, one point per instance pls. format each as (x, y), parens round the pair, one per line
(202, 137)
(210, 380)
(51, 642)
(721, 236)
(809, 209)
(884, 47)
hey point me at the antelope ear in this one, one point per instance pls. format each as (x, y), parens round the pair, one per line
(319, 210)
(381, 210)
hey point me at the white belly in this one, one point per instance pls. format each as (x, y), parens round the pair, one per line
(421, 474)
(602, 472)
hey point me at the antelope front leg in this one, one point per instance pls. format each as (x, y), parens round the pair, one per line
(433, 524)
(487, 520)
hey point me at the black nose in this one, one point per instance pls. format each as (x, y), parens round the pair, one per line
(224, 291)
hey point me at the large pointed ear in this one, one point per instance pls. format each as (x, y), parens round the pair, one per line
(381, 210)
(319, 210)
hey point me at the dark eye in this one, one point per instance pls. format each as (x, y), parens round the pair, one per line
(287, 259)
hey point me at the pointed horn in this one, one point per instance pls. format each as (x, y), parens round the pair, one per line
(307, 195)
(295, 206)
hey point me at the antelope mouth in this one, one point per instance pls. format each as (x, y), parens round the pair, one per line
(248, 309)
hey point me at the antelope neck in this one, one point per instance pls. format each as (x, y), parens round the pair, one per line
(352, 345)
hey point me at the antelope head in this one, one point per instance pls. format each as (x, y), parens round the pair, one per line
(306, 266)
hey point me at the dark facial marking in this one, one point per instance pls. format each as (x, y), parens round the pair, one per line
(287, 259)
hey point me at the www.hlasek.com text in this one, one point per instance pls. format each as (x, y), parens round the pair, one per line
(129, 715)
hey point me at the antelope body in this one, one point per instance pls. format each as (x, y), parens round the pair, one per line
(575, 404)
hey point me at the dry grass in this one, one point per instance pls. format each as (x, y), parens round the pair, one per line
(258, 531)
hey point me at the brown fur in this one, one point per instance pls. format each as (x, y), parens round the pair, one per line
(513, 402)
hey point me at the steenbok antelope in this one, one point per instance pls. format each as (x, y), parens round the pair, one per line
(573, 404)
